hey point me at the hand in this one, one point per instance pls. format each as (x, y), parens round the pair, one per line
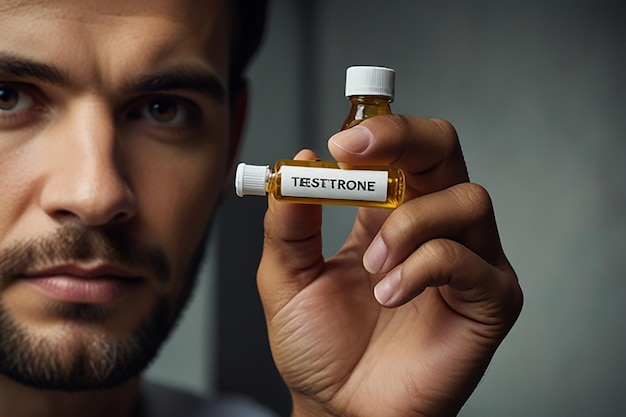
(405, 318)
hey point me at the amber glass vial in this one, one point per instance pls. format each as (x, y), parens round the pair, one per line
(318, 182)
(370, 91)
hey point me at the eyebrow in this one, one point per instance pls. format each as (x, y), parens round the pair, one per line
(185, 79)
(12, 66)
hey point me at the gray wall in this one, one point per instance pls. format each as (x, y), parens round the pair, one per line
(536, 90)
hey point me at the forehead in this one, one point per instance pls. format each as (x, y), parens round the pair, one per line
(99, 41)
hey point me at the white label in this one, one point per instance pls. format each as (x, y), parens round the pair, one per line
(338, 184)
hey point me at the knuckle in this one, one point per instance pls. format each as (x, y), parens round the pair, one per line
(515, 294)
(475, 198)
(441, 252)
(405, 216)
(450, 138)
(398, 120)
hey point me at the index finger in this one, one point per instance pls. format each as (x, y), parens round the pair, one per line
(428, 150)
(292, 249)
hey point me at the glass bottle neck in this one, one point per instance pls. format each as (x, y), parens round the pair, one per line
(364, 107)
(371, 100)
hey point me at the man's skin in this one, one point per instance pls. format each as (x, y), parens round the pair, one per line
(81, 149)
(405, 318)
(115, 117)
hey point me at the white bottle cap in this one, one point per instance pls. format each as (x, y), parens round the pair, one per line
(251, 179)
(370, 81)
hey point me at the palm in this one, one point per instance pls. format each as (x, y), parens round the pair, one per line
(359, 353)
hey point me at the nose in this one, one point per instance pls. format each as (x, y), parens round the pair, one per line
(84, 179)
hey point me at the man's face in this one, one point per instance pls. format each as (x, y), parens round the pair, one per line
(114, 146)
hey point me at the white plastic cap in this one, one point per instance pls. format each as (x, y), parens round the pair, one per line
(251, 179)
(370, 81)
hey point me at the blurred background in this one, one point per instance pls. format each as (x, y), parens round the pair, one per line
(536, 91)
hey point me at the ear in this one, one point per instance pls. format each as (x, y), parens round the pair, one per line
(239, 109)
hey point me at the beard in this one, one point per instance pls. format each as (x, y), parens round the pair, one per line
(79, 357)
(70, 363)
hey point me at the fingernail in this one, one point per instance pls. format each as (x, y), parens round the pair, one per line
(375, 256)
(386, 291)
(354, 140)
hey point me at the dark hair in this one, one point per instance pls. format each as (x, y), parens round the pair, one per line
(247, 32)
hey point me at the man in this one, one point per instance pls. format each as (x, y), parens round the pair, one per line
(119, 122)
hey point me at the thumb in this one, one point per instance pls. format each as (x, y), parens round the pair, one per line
(292, 250)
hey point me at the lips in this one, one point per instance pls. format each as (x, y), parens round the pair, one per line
(87, 285)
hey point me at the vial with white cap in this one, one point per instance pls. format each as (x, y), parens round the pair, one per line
(370, 90)
(319, 182)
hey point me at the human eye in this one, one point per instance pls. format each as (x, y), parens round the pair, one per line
(165, 110)
(21, 105)
(169, 116)
(14, 99)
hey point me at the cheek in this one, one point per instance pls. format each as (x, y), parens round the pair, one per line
(17, 186)
(177, 201)
(189, 207)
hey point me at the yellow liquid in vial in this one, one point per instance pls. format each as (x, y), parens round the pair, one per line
(394, 195)
(364, 107)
